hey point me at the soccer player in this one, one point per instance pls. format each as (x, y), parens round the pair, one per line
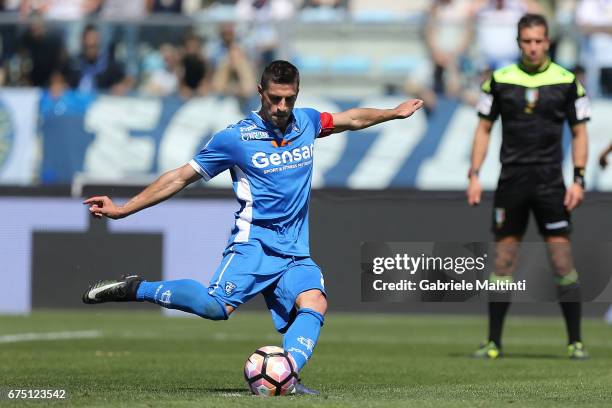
(534, 98)
(270, 158)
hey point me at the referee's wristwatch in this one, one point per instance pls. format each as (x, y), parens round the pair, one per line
(472, 172)
(579, 176)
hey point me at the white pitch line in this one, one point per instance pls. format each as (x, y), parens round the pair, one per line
(67, 335)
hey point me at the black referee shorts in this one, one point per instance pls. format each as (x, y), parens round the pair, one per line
(524, 188)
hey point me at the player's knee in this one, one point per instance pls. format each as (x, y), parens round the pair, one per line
(214, 309)
(506, 251)
(229, 309)
(560, 254)
(314, 300)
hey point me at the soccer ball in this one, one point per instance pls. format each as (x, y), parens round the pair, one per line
(270, 371)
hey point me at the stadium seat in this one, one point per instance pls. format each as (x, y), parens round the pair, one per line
(311, 64)
(219, 13)
(398, 64)
(350, 65)
(322, 15)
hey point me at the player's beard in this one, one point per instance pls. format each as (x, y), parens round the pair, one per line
(281, 121)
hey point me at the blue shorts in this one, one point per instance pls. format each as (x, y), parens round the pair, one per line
(248, 269)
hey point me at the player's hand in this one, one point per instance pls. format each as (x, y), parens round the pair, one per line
(573, 196)
(603, 160)
(102, 206)
(474, 191)
(406, 109)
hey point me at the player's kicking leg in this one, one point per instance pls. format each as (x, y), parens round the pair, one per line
(185, 294)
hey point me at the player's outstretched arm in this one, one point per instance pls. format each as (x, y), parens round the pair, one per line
(167, 185)
(479, 152)
(361, 118)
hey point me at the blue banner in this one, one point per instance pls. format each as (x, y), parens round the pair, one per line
(114, 139)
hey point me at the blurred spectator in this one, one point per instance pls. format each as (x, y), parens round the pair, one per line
(95, 68)
(496, 30)
(165, 6)
(594, 18)
(69, 16)
(8, 38)
(64, 10)
(263, 36)
(120, 20)
(164, 80)
(191, 76)
(448, 36)
(41, 52)
(10, 5)
(58, 82)
(193, 45)
(226, 37)
(548, 8)
(233, 70)
(234, 76)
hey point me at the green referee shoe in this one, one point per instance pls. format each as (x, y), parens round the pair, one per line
(488, 350)
(576, 351)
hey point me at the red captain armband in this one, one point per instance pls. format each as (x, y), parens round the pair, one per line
(327, 124)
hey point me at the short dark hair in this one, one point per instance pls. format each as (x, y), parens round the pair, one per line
(532, 20)
(280, 72)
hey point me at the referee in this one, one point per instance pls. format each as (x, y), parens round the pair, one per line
(534, 98)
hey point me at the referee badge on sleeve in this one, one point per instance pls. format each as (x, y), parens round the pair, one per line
(583, 108)
(485, 102)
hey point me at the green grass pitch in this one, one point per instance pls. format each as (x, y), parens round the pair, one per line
(143, 359)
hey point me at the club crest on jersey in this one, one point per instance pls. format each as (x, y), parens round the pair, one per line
(531, 97)
(229, 287)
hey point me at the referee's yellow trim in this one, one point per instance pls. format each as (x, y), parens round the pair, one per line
(554, 75)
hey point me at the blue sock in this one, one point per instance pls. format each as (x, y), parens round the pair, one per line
(302, 336)
(185, 294)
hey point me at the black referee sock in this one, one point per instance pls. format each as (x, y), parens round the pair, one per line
(568, 289)
(497, 315)
(572, 312)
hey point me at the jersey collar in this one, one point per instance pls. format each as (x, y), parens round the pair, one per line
(541, 69)
(270, 127)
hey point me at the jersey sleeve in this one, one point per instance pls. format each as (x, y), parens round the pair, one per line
(323, 122)
(578, 105)
(488, 105)
(215, 157)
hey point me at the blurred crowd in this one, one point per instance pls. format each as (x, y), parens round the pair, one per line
(468, 39)
(154, 46)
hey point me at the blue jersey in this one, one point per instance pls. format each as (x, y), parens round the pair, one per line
(271, 175)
